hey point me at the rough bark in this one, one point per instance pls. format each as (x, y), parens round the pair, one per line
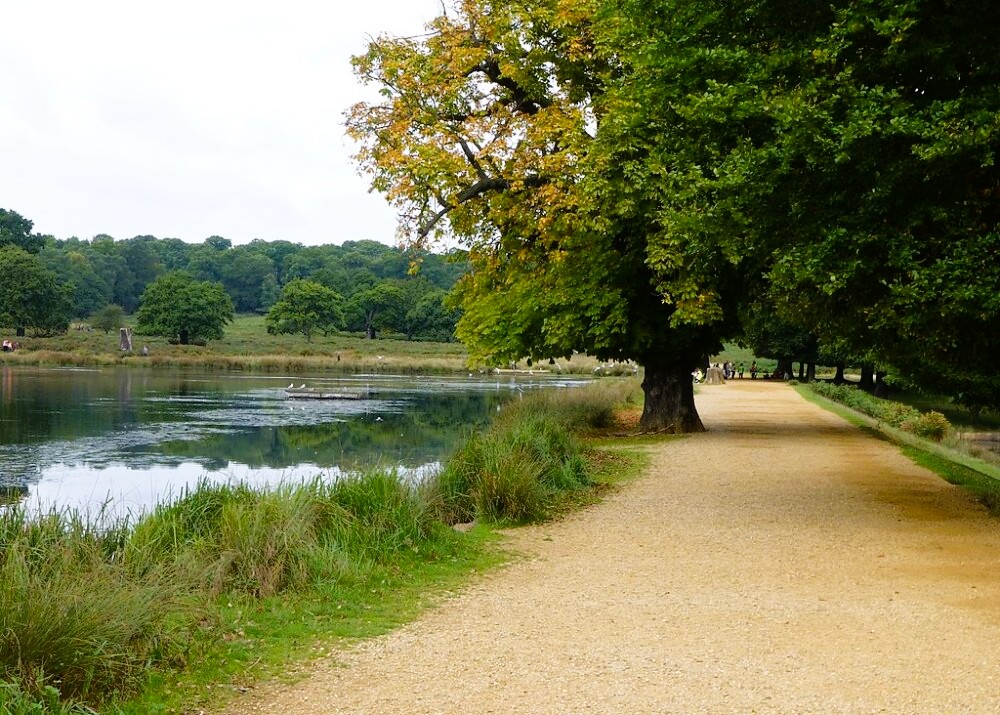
(669, 401)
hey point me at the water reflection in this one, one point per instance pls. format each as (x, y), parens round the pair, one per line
(83, 438)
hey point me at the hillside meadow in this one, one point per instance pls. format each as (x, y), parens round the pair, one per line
(248, 346)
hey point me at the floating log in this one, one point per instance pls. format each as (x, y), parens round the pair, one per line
(318, 393)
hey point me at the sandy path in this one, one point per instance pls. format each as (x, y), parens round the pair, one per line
(783, 562)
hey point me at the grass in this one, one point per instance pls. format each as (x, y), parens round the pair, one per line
(981, 477)
(228, 584)
(248, 346)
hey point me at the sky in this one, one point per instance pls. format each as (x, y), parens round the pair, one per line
(190, 119)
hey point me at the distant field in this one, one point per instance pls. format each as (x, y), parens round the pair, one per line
(248, 346)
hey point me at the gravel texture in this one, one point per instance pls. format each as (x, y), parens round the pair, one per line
(782, 562)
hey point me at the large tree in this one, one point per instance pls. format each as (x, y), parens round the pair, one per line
(845, 154)
(30, 295)
(487, 132)
(179, 307)
(305, 307)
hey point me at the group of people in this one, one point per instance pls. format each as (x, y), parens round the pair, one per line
(729, 370)
(10, 346)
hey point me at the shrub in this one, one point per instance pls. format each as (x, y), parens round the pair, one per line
(517, 470)
(929, 425)
(932, 425)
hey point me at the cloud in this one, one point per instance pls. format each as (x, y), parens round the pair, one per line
(190, 119)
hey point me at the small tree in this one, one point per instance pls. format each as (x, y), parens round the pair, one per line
(181, 308)
(304, 307)
(110, 317)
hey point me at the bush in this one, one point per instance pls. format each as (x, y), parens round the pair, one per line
(929, 425)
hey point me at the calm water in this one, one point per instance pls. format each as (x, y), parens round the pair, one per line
(130, 438)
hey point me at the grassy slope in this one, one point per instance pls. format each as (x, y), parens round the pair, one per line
(980, 478)
(247, 346)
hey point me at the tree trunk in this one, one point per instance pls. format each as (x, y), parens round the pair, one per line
(867, 381)
(811, 372)
(839, 378)
(184, 336)
(784, 368)
(19, 332)
(881, 389)
(802, 371)
(669, 401)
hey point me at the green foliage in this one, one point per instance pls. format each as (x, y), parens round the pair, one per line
(929, 425)
(376, 307)
(110, 317)
(528, 461)
(15, 230)
(844, 153)
(47, 701)
(73, 615)
(892, 413)
(30, 296)
(177, 306)
(305, 307)
(490, 131)
(104, 271)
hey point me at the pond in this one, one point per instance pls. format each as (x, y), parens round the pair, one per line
(124, 439)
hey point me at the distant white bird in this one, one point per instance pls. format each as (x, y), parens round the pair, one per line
(290, 386)
(378, 419)
(302, 387)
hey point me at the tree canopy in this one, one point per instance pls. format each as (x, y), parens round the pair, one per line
(181, 308)
(631, 179)
(30, 296)
(305, 307)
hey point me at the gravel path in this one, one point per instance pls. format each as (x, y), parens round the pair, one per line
(782, 562)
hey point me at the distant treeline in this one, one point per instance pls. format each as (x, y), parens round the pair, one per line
(104, 271)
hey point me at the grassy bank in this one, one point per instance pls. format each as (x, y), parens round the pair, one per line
(248, 346)
(228, 584)
(925, 437)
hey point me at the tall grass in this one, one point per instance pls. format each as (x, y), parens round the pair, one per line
(90, 607)
(518, 470)
(73, 614)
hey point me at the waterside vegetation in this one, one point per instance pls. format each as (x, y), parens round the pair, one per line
(248, 346)
(925, 437)
(186, 605)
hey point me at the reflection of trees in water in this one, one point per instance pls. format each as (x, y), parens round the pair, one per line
(44, 405)
(428, 431)
(17, 472)
(98, 417)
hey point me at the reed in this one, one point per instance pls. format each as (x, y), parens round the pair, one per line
(92, 606)
(73, 615)
(521, 468)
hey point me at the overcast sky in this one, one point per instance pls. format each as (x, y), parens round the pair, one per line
(188, 119)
